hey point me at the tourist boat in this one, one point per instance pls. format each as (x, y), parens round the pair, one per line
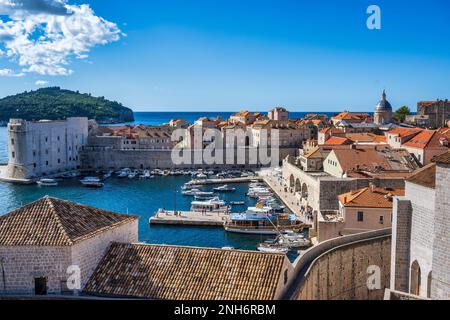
(214, 205)
(47, 183)
(262, 220)
(224, 188)
(92, 182)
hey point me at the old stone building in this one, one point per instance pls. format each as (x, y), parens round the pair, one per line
(278, 113)
(133, 137)
(438, 112)
(41, 242)
(421, 238)
(43, 148)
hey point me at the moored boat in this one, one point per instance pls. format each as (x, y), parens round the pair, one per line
(224, 188)
(262, 220)
(47, 183)
(213, 205)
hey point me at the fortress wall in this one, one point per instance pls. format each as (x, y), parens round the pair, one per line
(337, 269)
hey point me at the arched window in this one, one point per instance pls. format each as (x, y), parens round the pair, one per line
(415, 279)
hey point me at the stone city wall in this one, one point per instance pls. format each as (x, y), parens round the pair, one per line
(108, 158)
(338, 268)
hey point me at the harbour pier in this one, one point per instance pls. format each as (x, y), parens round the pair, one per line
(225, 181)
(189, 218)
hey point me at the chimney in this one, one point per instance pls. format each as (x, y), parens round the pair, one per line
(372, 187)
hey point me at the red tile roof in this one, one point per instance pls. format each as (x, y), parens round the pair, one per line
(55, 222)
(370, 197)
(186, 273)
(337, 141)
(426, 139)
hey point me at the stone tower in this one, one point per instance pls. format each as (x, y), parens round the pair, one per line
(383, 111)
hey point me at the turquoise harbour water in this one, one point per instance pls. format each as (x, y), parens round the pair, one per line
(139, 197)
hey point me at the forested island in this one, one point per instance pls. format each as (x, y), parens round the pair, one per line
(54, 103)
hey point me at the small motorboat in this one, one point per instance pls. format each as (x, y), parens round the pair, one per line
(203, 198)
(224, 188)
(237, 203)
(271, 248)
(92, 182)
(47, 183)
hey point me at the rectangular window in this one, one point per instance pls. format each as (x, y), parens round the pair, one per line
(13, 154)
(12, 141)
(381, 220)
(360, 216)
(286, 278)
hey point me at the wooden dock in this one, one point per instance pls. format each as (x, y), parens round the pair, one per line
(189, 218)
(225, 181)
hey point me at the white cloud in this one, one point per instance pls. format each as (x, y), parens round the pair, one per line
(10, 73)
(42, 36)
(41, 83)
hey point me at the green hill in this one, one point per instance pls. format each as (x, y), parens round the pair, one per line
(57, 104)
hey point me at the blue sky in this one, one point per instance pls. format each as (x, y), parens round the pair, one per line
(228, 55)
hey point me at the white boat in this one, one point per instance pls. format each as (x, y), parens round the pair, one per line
(47, 183)
(214, 205)
(92, 182)
(272, 249)
(224, 188)
(191, 192)
(132, 175)
(202, 176)
(145, 175)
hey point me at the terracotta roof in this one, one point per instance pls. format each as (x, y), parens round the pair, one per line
(425, 177)
(54, 222)
(349, 116)
(338, 141)
(372, 159)
(185, 273)
(332, 130)
(370, 198)
(404, 132)
(366, 137)
(443, 158)
(426, 139)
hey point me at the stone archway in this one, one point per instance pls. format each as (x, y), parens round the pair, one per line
(298, 186)
(292, 181)
(415, 278)
(305, 191)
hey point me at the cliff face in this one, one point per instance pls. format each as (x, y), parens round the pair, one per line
(57, 104)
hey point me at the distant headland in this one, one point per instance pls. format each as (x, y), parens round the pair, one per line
(54, 103)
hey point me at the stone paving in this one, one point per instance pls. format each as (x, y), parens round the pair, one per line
(291, 200)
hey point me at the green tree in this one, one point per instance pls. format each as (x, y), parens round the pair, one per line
(402, 112)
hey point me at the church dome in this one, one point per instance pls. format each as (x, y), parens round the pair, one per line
(383, 105)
